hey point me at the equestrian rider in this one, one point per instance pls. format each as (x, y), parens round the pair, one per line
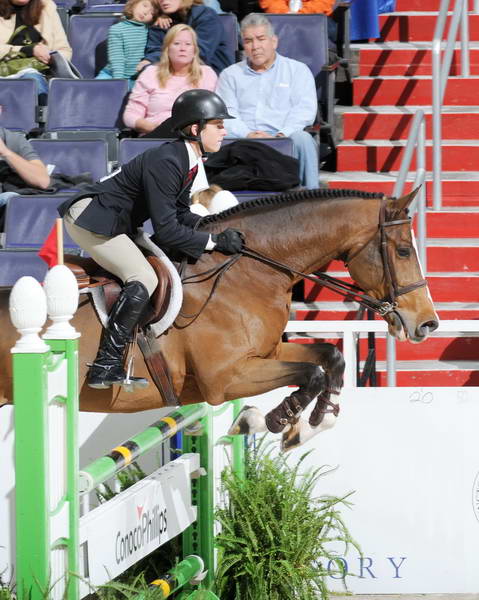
(155, 185)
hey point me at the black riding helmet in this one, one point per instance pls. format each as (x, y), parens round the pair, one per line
(196, 106)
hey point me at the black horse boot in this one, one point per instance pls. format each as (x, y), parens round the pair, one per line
(108, 368)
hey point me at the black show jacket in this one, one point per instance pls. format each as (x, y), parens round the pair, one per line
(151, 186)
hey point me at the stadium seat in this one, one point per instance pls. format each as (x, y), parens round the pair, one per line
(18, 104)
(131, 147)
(85, 104)
(74, 157)
(230, 25)
(104, 8)
(29, 220)
(16, 264)
(87, 34)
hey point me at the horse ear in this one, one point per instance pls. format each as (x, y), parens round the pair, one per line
(403, 202)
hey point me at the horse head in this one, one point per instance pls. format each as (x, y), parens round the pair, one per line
(386, 266)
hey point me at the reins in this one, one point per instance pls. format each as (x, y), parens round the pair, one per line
(348, 290)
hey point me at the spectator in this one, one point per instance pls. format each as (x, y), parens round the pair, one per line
(298, 6)
(19, 164)
(158, 86)
(206, 23)
(271, 95)
(32, 29)
(127, 41)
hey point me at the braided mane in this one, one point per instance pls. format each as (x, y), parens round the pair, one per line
(288, 198)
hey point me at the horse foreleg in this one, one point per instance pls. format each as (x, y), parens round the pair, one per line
(330, 359)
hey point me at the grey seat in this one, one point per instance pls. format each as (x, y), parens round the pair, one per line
(16, 264)
(18, 104)
(88, 35)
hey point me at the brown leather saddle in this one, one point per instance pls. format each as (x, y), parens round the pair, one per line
(90, 275)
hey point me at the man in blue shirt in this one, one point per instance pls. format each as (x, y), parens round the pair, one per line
(271, 95)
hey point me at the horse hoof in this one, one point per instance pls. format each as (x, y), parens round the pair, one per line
(249, 421)
(291, 439)
(274, 423)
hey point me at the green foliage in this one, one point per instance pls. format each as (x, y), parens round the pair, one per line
(276, 539)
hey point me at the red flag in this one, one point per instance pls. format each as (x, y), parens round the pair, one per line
(52, 250)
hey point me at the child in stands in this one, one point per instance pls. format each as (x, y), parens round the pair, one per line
(127, 41)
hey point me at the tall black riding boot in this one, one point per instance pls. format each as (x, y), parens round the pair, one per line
(108, 368)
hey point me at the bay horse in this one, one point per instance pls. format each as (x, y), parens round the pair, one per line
(227, 343)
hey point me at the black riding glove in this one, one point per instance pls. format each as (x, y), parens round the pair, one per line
(229, 241)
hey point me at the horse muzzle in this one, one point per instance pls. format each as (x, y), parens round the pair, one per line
(403, 328)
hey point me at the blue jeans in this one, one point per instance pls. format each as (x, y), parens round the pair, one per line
(106, 74)
(306, 151)
(42, 85)
(5, 197)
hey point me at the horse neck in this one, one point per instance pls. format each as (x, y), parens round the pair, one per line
(309, 234)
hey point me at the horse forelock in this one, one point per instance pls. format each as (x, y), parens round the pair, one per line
(255, 206)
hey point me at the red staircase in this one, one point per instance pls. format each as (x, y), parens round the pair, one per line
(393, 79)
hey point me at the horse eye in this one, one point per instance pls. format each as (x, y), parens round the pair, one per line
(404, 252)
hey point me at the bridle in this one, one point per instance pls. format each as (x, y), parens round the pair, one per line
(382, 307)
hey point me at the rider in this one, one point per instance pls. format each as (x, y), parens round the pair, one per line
(155, 185)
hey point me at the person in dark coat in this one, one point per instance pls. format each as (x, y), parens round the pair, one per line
(155, 185)
(207, 25)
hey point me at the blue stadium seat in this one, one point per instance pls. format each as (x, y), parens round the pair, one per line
(16, 264)
(230, 25)
(18, 104)
(87, 34)
(131, 147)
(104, 8)
(29, 220)
(74, 157)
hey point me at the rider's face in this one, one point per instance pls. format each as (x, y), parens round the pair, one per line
(212, 135)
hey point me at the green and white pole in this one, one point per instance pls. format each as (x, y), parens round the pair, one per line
(45, 391)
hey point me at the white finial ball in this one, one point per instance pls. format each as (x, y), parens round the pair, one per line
(28, 313)
(61, 289)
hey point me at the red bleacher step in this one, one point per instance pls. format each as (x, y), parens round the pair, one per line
(400, 91)
(329, 314)
(391, 123)
(418, 26)
(450, 287)
(385, 155)
(459, 189)
(406, 60)
(424, 5)
(441, 376)
(460, 256)
(434, 348)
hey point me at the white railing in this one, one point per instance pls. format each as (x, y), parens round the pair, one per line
(440, 76)
(350, 330)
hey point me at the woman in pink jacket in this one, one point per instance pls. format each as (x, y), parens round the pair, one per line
(157, 87)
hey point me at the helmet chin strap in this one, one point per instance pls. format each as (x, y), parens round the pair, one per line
(196, 138)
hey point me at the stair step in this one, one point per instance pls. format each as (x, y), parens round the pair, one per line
(347, 311)
(460, 188)
(444, 287)
(405, 59)
(434, 348)
(400, 91)
(386, 155)
(457, 223)
(413, 26)
(424, 5)
(393, 123)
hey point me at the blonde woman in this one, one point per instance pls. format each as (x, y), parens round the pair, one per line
(157, 87)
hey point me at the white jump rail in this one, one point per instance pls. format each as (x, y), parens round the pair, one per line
(349, 331)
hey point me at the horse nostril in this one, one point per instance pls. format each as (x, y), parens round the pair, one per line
(428, 327)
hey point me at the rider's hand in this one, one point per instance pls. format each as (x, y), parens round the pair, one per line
(229, 241)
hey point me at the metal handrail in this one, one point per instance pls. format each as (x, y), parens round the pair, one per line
(440, 76)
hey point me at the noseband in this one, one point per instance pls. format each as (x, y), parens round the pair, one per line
(382, 307)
